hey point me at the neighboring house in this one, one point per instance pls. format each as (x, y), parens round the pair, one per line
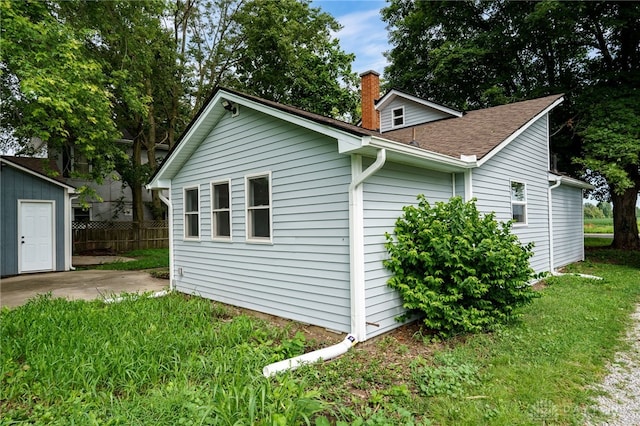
(283, 211)
(116, 204)
(35, 217)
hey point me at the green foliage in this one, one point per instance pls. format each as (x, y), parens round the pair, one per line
(463, 271)
(521, 50)
(288, 55)
(164, 361)
(535, 371)
(144, 259)
(592, 212)
(448, 377)
(52, 89)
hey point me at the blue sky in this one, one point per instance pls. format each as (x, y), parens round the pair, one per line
(363, 31)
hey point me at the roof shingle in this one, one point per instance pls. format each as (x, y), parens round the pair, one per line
(476, 132)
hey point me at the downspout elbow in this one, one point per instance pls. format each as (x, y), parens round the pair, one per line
(381, 158)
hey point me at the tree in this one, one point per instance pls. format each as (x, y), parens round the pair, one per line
(282, 51)
(288, 55)
(52, 89)
(138, 58)
(605, 208)
(592, 212)
(476, 54)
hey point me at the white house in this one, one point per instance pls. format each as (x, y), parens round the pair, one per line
(283, 211)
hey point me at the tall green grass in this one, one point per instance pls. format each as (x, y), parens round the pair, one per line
(164, 361)
(538, 371)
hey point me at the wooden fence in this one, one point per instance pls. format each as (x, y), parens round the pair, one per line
(118, 237)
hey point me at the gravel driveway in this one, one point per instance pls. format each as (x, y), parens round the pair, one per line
(622, 383)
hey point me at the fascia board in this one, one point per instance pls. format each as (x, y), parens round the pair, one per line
(70, 188)
(518, 132)
(293, 119)
(394, 94)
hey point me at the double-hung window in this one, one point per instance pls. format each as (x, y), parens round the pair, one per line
(221, 210)
(519, 202)
(397, 116)
(258, 193)
(191, 213)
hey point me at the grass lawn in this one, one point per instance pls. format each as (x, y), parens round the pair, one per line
(184, 360)
(145, 259)
(600, 226)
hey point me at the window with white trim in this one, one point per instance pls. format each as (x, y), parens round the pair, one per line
(397, 116)
(519, 202)
(221, 210)
(191, 213)
(258, 193)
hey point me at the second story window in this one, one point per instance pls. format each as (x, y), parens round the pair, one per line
(397, 116)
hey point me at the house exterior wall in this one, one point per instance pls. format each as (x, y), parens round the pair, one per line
(568, 227)
(414, 113)
(304, 274)
(17, 185)
(385, 193)
(524, 160)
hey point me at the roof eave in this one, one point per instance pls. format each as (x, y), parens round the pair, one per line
(518, 132)
(391, 95)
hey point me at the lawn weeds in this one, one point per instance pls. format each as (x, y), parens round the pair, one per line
(185, 360)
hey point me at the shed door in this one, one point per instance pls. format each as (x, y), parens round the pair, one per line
(36, 236)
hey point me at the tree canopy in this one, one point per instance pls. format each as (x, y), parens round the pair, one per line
(80, 72)
(483, 53)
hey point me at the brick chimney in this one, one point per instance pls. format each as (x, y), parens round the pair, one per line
(370, 81)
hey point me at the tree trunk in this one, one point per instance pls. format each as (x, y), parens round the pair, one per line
(625, 226)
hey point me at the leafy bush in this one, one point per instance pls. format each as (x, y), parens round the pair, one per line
(465, 272)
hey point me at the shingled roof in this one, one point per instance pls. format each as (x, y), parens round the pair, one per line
(476, 132)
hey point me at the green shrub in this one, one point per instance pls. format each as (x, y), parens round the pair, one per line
(464, 272)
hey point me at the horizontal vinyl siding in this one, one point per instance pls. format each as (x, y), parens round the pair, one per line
(385, 193)
(16, 185)
(524, 160)
(568, 230)
(304, 274)
(414, 113)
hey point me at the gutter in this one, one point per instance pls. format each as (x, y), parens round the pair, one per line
(356, 246)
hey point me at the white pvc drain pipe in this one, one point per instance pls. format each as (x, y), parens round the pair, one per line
(311, 357)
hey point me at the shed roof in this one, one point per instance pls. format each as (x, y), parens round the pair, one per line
(42, 167)
(476, 132)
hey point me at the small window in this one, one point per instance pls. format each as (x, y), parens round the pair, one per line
(519, 202)
(397, 116)
(221, 210)
(81, 214)
(259, 207)
(191, 213)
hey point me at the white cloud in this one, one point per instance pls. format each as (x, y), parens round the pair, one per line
(364, 34)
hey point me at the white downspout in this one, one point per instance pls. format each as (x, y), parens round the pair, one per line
(550, 202)
(356, 246)
(167, 202)
(69, 242)
(356, 240)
